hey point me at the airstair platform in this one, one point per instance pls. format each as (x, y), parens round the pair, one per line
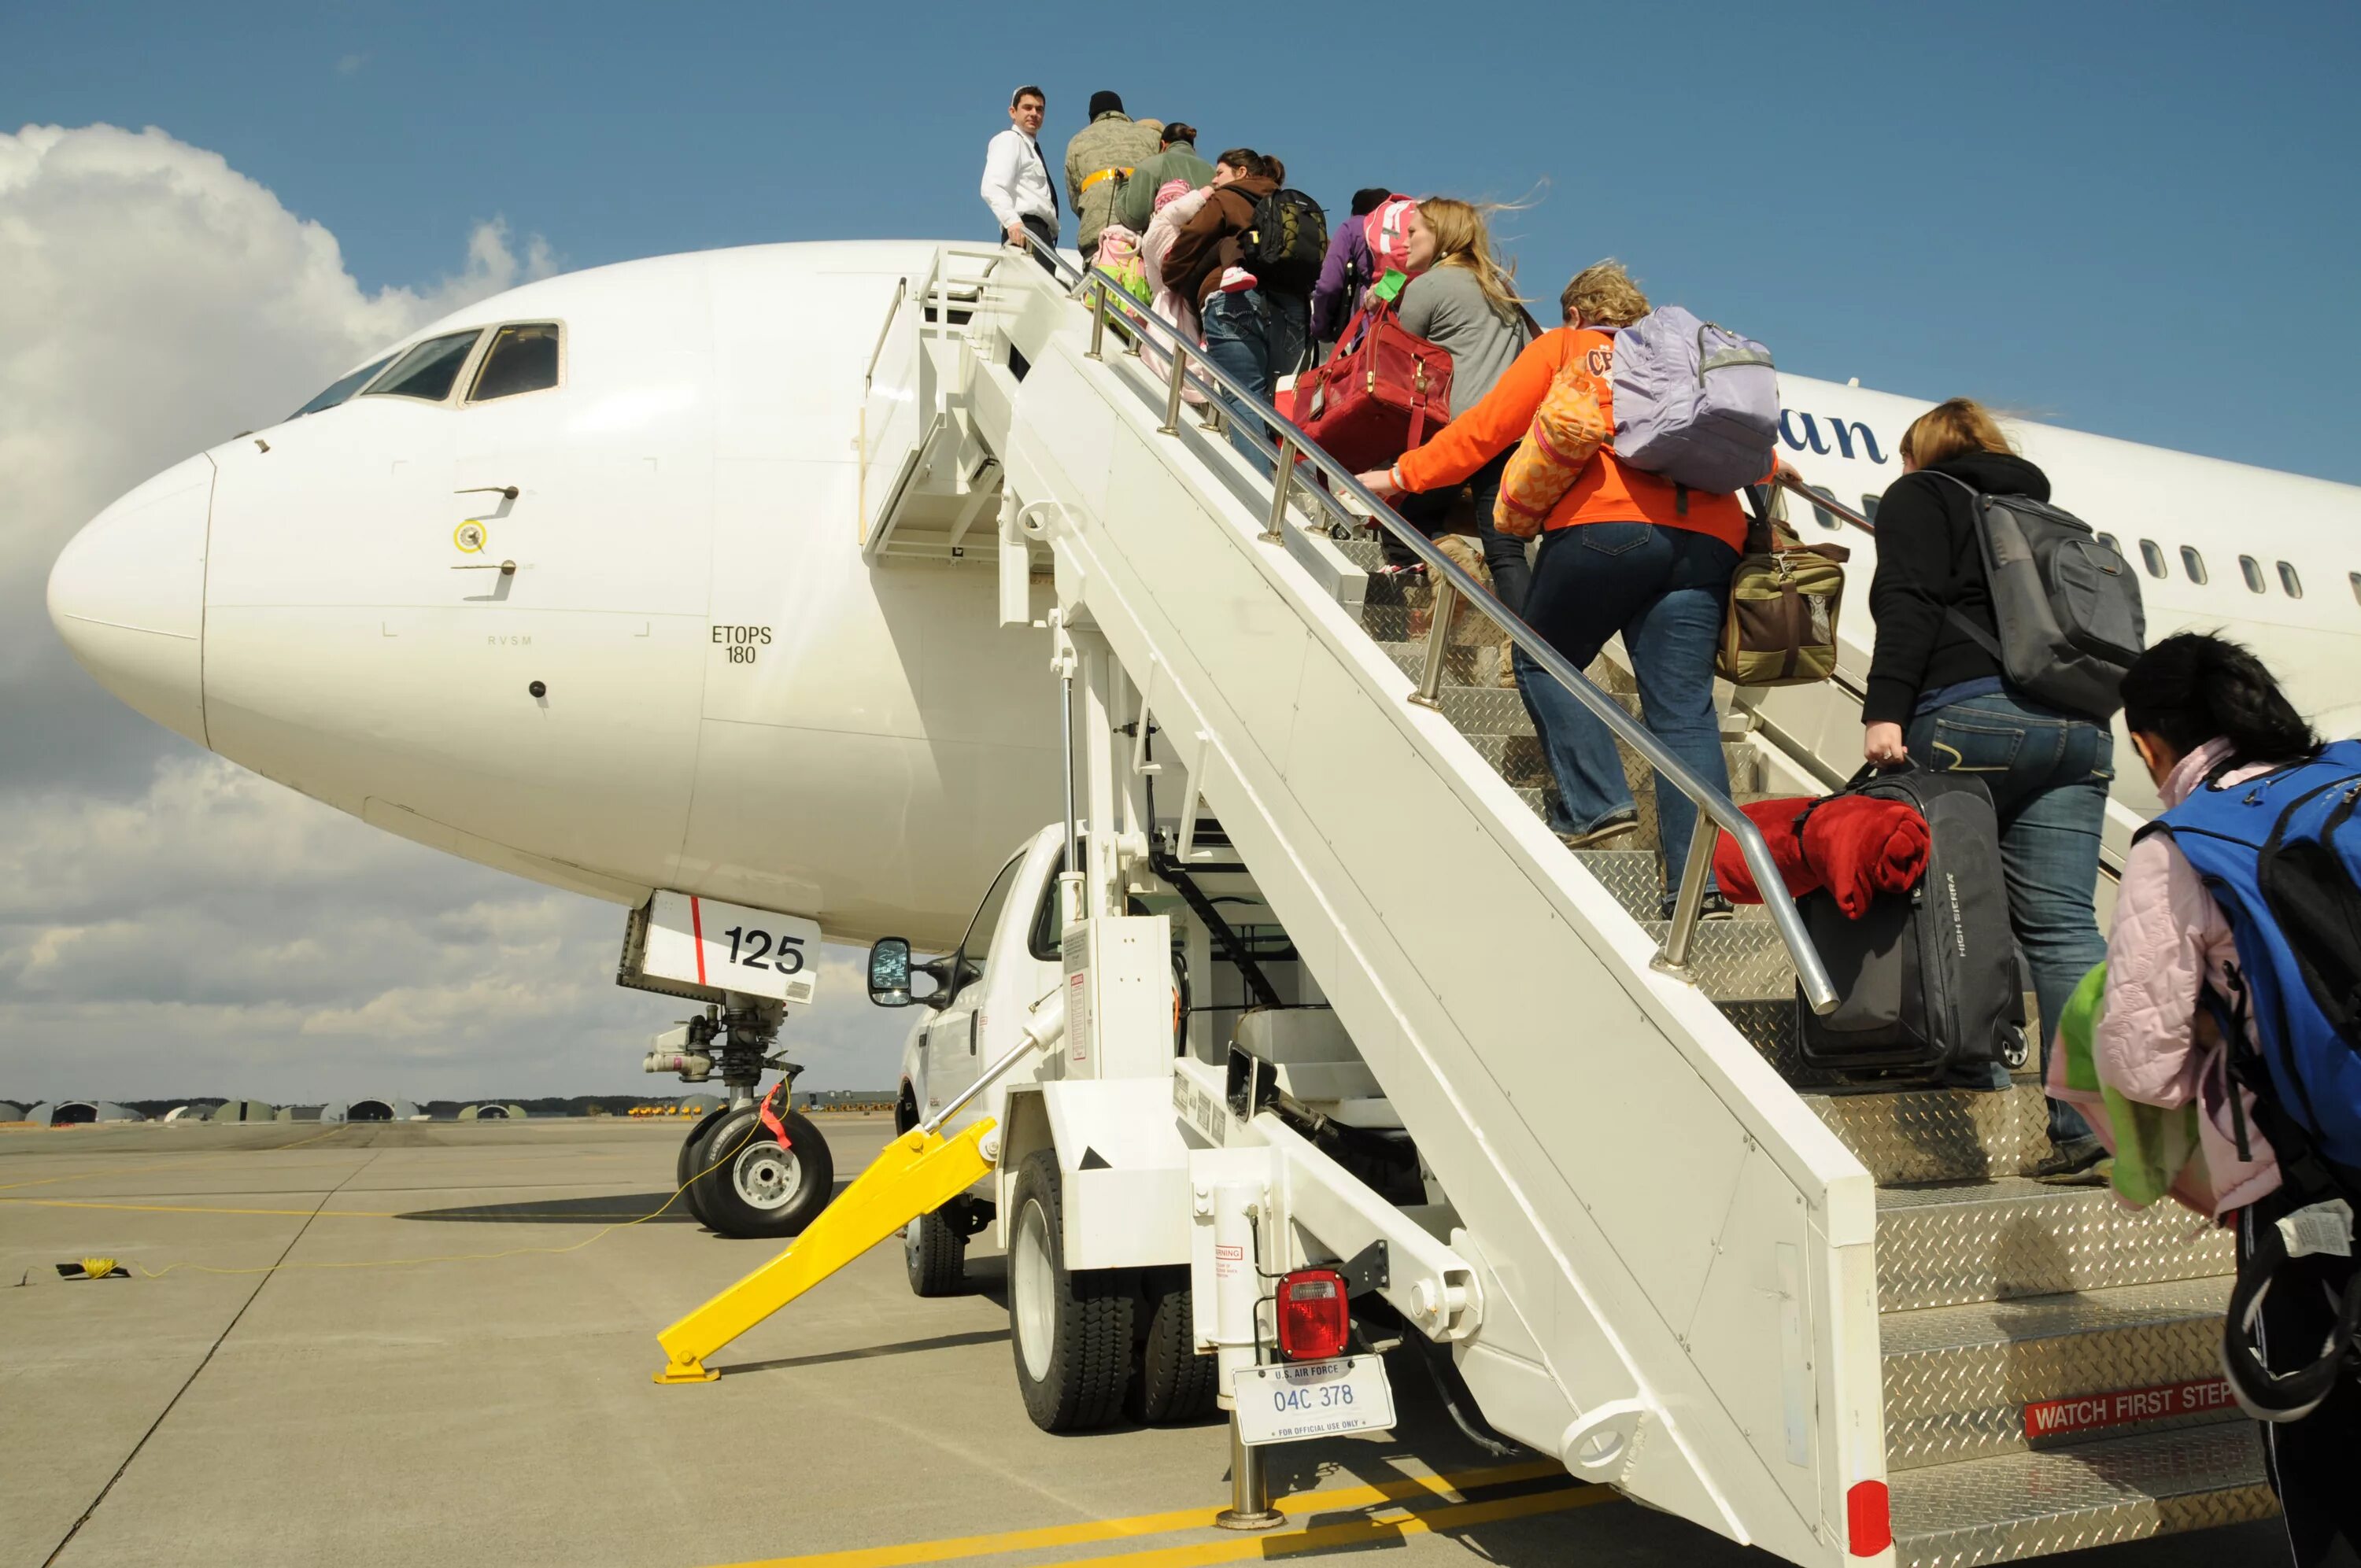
(1845, 1327)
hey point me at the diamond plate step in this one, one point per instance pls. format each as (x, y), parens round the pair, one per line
(1941, 1246)
(1919, 1136)
(1735, 960)
(1957, 1379)
(2031, 1504)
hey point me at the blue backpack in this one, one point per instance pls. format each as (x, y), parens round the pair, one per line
(2281, 853)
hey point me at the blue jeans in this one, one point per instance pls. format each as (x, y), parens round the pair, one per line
(2048, 774)
(1255, 339)
(1666, 590)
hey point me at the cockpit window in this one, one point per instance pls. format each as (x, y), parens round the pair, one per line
(342, 389)
(427, 371)
(522, 358)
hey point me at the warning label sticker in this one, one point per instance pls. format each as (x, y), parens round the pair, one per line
(2124, 1407)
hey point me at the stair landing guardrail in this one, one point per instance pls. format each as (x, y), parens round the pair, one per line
(1291, 451)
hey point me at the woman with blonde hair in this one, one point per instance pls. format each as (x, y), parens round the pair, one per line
(1461, 299)
(1938, 699)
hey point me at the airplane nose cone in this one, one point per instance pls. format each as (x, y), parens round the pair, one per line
(127, 594)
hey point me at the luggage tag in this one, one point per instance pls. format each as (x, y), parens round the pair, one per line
(2320, 1228)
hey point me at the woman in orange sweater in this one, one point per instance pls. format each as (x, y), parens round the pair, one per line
(1624, 551)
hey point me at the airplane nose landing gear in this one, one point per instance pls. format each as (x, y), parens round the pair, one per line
(755, 1168)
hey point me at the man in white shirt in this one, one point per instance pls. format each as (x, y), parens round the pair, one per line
(1016, 184)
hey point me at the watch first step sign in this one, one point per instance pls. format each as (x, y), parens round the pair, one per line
(732, 947)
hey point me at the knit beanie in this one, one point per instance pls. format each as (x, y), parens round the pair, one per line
(1102, 101)
(1170, 192)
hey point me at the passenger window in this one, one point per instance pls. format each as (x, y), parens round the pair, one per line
(1827, 518)
(521, 358)
(2109, 541)
(2354, 578)
(1869, 506)
(2251, 570)
(975, 948)
(2289, 581)
(2153, 556)
(342, 389)
(427, 371)
(2194, 564)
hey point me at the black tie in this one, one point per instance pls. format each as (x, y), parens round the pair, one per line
(1048, 178)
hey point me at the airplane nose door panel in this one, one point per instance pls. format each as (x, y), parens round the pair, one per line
(127, 596)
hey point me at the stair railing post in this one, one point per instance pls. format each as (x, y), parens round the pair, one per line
(1690, 903)
(1098, 320)
(1171, 425)
(1438, 642)
(1275, 526)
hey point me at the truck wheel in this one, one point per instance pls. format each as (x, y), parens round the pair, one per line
(1071, 1331)
(934, 1252)
(1171, 1383)
(691, 1161)
(757, 1189)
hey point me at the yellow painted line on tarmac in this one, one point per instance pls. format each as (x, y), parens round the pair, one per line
(1091, 1530)
(301, 1213)
(1352, 1534)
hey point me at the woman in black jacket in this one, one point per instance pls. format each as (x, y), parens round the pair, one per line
(1938, 699)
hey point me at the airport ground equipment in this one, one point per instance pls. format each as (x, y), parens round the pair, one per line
(1534, 1122)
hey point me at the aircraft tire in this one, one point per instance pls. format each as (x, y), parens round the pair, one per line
(1070, 1331)
(688, 1164)
(753, 1188)
(1171, 1383)
(934, 1254)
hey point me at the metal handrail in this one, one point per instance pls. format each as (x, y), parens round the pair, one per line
(1452, 582)
(1826, 503)
(901, 293)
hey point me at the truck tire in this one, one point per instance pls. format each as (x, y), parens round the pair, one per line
(934, 1253)
(691, 1160)
(1171, 1383)
(756, 1189)
(1071, 1331)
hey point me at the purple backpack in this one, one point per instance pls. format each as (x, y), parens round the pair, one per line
(1695, 403)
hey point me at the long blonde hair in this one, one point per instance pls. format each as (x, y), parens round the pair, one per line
(1462, 239)
(1959, 424)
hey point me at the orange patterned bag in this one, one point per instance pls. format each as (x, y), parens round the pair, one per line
(1568, 429)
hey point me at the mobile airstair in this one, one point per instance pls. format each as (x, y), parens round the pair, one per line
(1844, 1327)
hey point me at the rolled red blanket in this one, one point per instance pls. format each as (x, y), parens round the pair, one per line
(1861, 846)
(1777, 821)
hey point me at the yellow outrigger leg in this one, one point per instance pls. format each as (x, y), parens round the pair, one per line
(919, 1173)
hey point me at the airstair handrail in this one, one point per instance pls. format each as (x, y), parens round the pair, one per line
(1452, 582)
(1827, 503)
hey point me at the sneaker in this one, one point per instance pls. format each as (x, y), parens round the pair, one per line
(2074, 1164)
(1716, 907)
(1614, 828)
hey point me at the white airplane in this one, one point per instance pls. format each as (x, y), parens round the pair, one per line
(571, 583)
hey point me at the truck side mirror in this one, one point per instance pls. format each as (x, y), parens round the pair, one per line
(889, 972)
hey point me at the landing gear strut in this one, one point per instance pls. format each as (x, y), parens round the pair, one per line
(748, 1173)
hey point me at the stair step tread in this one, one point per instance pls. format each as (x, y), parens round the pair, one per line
(2051, 1500)
(1958, 1379)
(2014, 1237)
(1918, 1136)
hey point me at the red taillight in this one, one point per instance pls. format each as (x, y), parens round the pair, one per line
(1312, 1317)
(1869, 1528)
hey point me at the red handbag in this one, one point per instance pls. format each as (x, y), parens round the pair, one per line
(1379, 395)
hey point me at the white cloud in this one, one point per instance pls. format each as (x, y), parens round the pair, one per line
(169, 924)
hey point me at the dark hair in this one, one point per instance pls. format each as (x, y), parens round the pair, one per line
(2194, 687)
(1246, 160)
(1023, 92)
(1272, 167)
(1179, 130)
(1369, 198)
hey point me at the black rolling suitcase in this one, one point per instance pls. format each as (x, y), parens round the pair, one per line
(1927, 981)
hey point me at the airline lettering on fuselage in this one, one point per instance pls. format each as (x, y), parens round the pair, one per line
(1843, 430)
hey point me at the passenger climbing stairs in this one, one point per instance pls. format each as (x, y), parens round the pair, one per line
(2051, 1358)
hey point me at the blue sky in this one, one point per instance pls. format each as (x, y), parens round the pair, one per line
(2138, 219)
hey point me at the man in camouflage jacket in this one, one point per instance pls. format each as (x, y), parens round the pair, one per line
(1099, 160)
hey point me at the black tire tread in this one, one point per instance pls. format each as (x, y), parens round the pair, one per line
(690, 1161)
(938, 1266)
(1172, 1384)
(1091, 1349)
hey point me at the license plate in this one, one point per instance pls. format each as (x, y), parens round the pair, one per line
(1312, 1398)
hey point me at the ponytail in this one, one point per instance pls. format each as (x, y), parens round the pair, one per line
(2193, 687)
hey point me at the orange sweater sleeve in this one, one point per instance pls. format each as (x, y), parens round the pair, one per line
(1493, 426)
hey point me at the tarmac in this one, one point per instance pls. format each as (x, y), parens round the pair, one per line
(431, 1343)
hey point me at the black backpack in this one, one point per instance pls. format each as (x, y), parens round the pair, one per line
(1288, 243)
(2066, 603)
